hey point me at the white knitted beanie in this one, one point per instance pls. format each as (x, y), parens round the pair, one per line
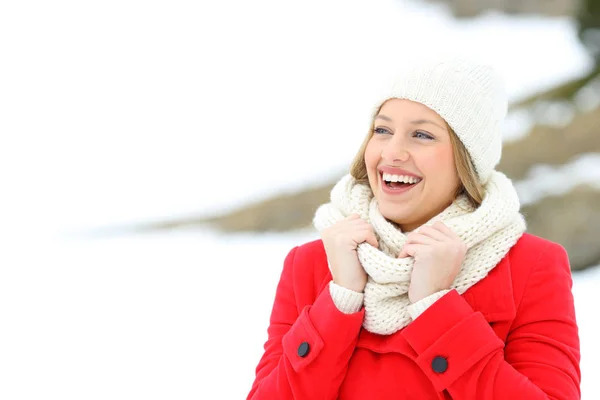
(469, 96)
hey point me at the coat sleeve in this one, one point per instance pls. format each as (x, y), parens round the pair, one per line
(540, 359)
(308, 349)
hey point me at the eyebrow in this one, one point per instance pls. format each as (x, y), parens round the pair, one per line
(426, 121)
(415, 122)
(383, 117)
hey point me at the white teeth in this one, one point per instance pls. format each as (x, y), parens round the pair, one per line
(400, 178)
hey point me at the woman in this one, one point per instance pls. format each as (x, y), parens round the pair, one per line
(424, 285)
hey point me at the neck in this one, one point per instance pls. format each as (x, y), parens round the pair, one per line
(411, 226)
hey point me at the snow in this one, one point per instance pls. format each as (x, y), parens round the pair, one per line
(126, 111)
(585, 292)
(137, 317)
(180, 315)
(517, 124)
(588, 97)
(548, 180)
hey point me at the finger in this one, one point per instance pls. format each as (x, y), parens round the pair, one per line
(358, 232)
(354, 223)
(366, 234)
(418, 238)
(433, 233)
(358, 226)
(410, 250)
(358, 221)
(371, 239)
(352, 217)
(441, 227)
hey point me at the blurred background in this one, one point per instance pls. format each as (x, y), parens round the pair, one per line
(159, 159)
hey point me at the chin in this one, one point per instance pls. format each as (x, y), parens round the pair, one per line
(394, 217)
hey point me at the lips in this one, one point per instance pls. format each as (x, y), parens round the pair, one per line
(396, 187)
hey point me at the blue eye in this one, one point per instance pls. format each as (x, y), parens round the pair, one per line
(422, 135)
(380, 131)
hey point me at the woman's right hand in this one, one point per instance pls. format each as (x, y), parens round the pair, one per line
(340, 241)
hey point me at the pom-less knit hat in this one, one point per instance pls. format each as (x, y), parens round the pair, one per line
(469, 96)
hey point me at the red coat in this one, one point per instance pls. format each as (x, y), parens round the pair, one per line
(513, 335)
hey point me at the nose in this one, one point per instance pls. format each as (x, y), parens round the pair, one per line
(395, 150)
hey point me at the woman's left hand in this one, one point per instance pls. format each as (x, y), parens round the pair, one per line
(438, 254)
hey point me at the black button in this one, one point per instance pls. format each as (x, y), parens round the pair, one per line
(439, 364)
(303, 349)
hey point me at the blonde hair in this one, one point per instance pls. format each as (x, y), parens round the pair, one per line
(469, 183)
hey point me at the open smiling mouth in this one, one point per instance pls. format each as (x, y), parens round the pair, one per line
(395, 184)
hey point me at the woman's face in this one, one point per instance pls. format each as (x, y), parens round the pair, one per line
(410, 163)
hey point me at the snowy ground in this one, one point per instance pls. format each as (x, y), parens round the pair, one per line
(171, 316)
(125, 111)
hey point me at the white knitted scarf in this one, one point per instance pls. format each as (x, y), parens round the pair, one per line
(489, 231)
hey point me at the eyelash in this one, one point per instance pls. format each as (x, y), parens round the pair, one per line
(378, 132)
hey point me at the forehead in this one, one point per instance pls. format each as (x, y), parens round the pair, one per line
(408, 109)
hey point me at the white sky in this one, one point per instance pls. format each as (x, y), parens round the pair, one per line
(125, 110)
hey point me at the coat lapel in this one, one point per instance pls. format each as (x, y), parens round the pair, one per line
(493, 295)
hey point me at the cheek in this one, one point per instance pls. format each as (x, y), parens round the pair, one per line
(371, 155)
(439, 164)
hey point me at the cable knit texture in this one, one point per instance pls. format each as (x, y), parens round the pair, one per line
(489, 232)
(469, 96)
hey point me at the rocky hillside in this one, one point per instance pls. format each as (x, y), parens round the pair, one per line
(571, 218)
(471, 8)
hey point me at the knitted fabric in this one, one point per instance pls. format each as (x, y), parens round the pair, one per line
(489, 231)
(469, 96)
